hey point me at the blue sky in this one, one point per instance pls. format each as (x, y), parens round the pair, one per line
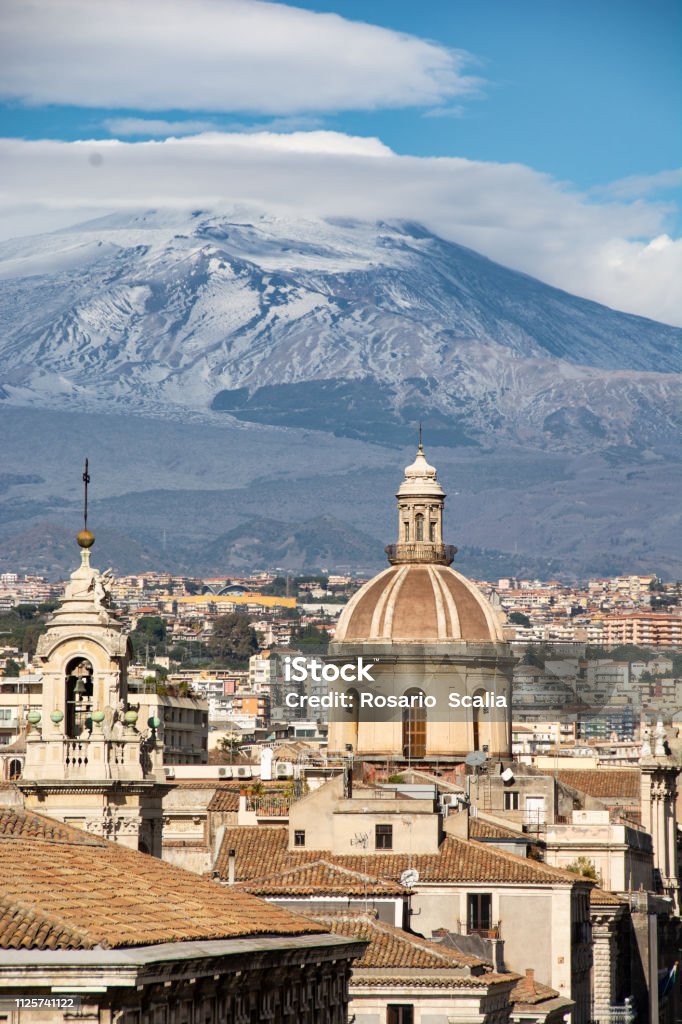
(543, 133)
(588, 90)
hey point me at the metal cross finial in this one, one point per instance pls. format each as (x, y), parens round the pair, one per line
(420, 436)
(86, 481)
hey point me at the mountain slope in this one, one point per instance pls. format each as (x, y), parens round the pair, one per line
(310, 323)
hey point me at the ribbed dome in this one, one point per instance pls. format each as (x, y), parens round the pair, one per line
(418, 604)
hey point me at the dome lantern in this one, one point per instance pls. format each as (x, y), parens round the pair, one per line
(420, 516)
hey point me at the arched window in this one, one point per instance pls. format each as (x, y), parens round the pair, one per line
(14, 770)
(414, 725)
(78, 697)
(419, 526)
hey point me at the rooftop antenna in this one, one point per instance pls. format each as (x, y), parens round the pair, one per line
(86, 481)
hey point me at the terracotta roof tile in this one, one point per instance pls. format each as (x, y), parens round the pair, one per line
(479, 829)
(224, 800)
(263, 850)
(320, 877)
(529, 992)
(65, 889)
(617, 783)
(602, 897)
(394, 949)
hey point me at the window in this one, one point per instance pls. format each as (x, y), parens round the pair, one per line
(419, 526)
(511, 801)
(407, 531)
(479, 911)
(432, 532)
(5, 714)
(299, 837)
(400, 1013)
(383, 837)
(414, 726)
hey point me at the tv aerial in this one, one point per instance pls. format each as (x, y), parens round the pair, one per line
(476, 758)
(409, 878)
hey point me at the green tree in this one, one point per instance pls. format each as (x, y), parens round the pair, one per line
(584, 867)
(26, 611)
(12, 668)
(233, 638)
(519, 619)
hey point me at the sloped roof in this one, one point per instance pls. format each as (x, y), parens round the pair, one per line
(65, 889)
(321, 878)
(617, 783)
(262, 850)
(529, 992)
(479, 829)
(602, 897)
(392, 949)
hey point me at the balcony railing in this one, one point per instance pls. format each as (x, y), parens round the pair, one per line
(421, 551)
(269, 806)
(485, 933)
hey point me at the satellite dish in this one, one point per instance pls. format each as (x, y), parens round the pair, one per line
(409, 878)
(475, 759)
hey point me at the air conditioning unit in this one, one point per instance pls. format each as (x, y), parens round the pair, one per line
(169, 773)
(284, 770)
(244, 772)
(224, 773)
(450, 799)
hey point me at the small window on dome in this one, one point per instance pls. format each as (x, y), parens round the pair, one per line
(432, 532)
(407, 531)
(419, 524)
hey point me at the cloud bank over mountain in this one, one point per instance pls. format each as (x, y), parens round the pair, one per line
(615, 251)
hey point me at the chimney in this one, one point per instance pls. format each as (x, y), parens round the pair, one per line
(530, 978)
(231, 862)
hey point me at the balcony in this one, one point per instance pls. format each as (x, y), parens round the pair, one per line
(421, 551)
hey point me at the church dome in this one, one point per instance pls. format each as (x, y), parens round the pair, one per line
(418, 603)
(420, 599)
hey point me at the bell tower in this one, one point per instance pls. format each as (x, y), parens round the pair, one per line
(89, 761)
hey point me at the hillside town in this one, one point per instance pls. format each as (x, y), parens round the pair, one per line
(215, 744)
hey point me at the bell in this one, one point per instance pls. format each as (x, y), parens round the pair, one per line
(79, 688)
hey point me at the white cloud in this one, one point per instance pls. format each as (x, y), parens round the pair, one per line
(615, 252)
(216, 55)
(638, 185)
(154, 126)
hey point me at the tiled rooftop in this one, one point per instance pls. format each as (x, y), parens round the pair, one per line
(65, 889)
(479, 829)
(321, 878)
(263, 850)
(616, 783)
(529, 992)
(391, 948)
(602, 897)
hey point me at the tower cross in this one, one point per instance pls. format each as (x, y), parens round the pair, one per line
(86, 481)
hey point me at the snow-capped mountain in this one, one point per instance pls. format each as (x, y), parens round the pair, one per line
(356, 328)
(228, 369)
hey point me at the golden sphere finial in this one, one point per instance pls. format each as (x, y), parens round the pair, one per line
(85, 539)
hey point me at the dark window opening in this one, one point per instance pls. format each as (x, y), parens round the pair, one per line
(299, 837)
(479, 912)
(383, 838)
(399, 1013)
(511, 801)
